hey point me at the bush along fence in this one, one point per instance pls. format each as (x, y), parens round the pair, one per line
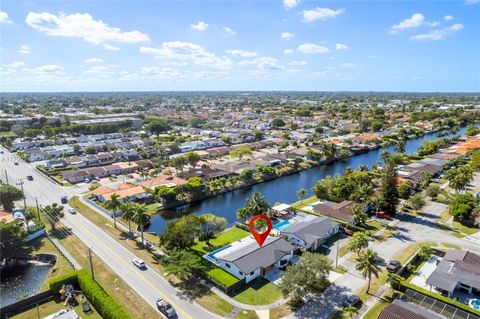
(107, 306)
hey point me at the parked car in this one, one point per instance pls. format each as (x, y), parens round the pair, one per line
(30, 177)
(72, 211)
(393, 266)
(347, 231)
(87, 180)
(64, 200)
(165, 308)
(139, 263)
(15, 163)
(351, 300)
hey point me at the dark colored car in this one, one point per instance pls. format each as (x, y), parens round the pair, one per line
(30, 177)
(166, 309)
(351, 301)
(64, 200)
(393, 266)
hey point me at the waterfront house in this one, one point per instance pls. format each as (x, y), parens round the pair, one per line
(125, 192)
(245, 260)
(310, 234)
(341, 211)
(163, 180)
(457, 272)
(205, 173)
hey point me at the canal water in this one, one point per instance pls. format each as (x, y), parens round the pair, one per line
(282, 189)
(25, 282)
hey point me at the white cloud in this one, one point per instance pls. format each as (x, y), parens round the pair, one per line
(340, 46)
(4, 17)
(289, 4)
(109, 47)
(228, 31)
(288, 51)
(311, 48)
(82, 25)
(242, 53)
(320, 14)
(437, 34)
(15, 65)
(263, 63)
(188, 51)
(25, 49)
(433, 24)
(416, 20)
(93, 60)
(297, 62)
(99, 70)
(448, 18)
(287, 35)
(46, 69)
(472, 1)
(157, 73)
(348, 65)
(200, 26)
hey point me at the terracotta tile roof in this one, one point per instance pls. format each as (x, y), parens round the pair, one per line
(122, 193)
(6, 217)
(102, 190)
(340, 211)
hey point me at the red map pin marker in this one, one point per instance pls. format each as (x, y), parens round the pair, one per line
(260, 238)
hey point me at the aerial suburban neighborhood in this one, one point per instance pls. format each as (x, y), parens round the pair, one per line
(150, 168)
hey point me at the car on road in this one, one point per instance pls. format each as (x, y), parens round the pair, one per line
(139, 263)
(30, 177)
(165, 308)
(15, 163)
(393, 266)
(350, 301)
(1, 152)
(64, 200)
(72, 211)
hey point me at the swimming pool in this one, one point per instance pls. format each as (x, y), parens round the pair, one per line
(281, 225)
(474, 303)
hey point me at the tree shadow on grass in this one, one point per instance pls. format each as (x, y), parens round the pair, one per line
(61, 232)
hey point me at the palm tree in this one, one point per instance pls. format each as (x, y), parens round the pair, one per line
(141, 217)
(364, 192)
(349, 311)
(384, 156)
(302, 192)
(359, 214)
(114, 205)
(368, 265)
(459, 178)
(128, 213)
(400, 146)
(394, 280)
(259, 204)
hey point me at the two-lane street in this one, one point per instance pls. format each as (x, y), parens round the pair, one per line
(149, 284)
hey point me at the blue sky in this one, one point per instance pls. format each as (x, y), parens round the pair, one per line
(240, 45)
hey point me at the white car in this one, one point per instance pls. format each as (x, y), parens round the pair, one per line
(139, 263)
(72, 211)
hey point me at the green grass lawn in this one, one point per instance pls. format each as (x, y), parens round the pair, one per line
(215, 304)
(152, 208)
(246, 314)
(373, 312)
(52, 307)
(222, 277)
(373, 226)
(465, 229)
(222, 239)
(304, 202)
(258, 292)
(452, 246)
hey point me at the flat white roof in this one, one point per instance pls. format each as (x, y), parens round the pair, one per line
(281, 207)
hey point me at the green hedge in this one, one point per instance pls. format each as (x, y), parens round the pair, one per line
(405, 285)
(56, 284)
(107, 306)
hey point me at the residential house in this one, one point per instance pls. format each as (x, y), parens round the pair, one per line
(312, 233)
(459, 270)
(206, 173)
(400, 309)
(341, 211)
(125, 192)
(245, 260)
(75, 176)
(163, 180)
(52, 164)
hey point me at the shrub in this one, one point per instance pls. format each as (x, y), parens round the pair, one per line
(107, 306)
(56, 284)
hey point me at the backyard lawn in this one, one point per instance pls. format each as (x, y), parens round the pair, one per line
(215, 304)
(465, 229)
(258, 292)
(222, 239)
(222, 277)
(52, 307)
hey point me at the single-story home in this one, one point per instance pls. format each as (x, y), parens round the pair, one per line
(458, 270)
(312, 233)
(400, 309)
(125, 192)
(341, 211)
(244, 259)
(170, 181)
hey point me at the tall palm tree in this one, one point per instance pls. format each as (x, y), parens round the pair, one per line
(302, 192)
(359, 214)
(128, 213)
(259, 204)
(368, 265)
(349, 311)
(400, 146)
(384, 156)
(114, 205)
(141, 217)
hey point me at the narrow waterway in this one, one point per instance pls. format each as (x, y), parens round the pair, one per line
(283, 189)
(25, 282)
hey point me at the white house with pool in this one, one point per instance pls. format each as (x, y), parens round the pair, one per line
(244, 259)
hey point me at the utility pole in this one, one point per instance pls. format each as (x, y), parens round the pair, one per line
(38, 208)
(91, 263)
(6, 176)
(21, 182)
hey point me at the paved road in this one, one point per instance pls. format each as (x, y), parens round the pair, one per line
(149, 284)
